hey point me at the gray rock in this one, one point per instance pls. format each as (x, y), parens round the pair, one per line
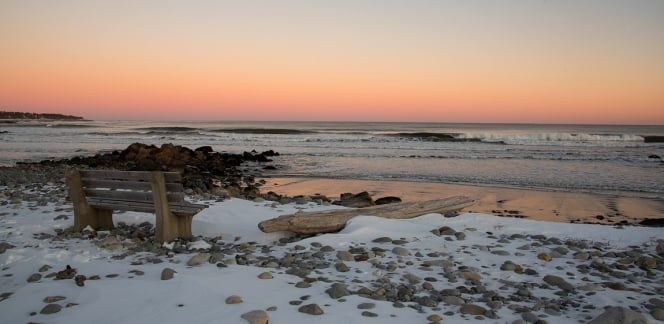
(453, 300)
(619, 315)
(659, 249)
(256, 317)
(345, 256)
(529, 317)
(50, 309)
(311, 309)
(53, 299)
(34, 277)
(383, 239)
(167, 274)
(337, 290)
(472, 309)
(199, 259)
(4, 246)
(341, 267)
(558, 282)
(366, 306)
(412, 279)
(400, 251)
(369, 314)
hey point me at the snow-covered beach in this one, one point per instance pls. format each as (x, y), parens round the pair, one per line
(431, 268)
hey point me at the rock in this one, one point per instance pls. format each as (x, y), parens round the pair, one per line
(4, 246)
(469, 275)
(453, 300)
(558, 282)
(256, 317)
(362, 199)
(472, 309)
(110, 243)
(657, 313)
(400, 251)
(311, 309)
(369, 314)
(235, 299)
(80, 280)
(54, 299)
(659, 249)
(167, 274)
(341, 267)
(619, 315)
(646, 262)
(345, 256)
(434, 318)
(387, 200)
(366, 306)
(50, 309)
(337, 290)
(67, 273)
(34, 277)
(544, 256)
(199, 259)
(265, 275)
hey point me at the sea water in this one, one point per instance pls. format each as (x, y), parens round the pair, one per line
(589, 158)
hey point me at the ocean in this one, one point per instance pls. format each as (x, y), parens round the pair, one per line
(620, 159)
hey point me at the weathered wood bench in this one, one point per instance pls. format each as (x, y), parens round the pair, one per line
(96, 193)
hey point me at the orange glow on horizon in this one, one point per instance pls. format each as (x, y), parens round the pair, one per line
(104, 63)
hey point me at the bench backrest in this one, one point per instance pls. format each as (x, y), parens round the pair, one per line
(129, 185)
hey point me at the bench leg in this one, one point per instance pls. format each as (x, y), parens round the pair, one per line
(84, 215)
(184, 226)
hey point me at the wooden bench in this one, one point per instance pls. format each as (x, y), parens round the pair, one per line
(96, 193)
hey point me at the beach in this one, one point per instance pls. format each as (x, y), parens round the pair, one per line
(435, 268)
(568, 207)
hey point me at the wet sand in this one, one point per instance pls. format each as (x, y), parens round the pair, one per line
(508, 202)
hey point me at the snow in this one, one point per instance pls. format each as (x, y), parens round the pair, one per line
(197, 294)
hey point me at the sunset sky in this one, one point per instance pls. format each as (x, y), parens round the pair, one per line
(543, 61)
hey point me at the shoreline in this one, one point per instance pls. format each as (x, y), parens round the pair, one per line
(532, 204)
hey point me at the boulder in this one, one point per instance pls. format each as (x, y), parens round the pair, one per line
(619, 315)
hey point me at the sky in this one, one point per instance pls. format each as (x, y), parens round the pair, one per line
(541, 61)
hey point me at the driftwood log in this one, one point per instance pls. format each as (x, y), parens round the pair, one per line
(335, 219)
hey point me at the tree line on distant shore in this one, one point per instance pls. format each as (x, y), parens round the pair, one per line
(27, 115)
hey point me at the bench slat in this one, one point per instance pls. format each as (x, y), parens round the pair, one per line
(127, 175)
(142, 206)
(131, 185)
(177, 197)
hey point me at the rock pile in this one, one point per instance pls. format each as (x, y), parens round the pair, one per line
(203, 169)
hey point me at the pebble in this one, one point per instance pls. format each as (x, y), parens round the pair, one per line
(234, 299)
(53, 299)
(50, 309)
(167, 274)
(337, 290)
(434, 318)
(657, 313)
(369, 314)
(34, 277)
(472, 309)
(400, 251)
(199, 259)
(311, 309)
(265, 275)
(366, 306)
(256, 317)
(558, 282)
(544, 256)
(345, 256)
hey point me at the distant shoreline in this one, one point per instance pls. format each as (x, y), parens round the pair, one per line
(14, 115)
